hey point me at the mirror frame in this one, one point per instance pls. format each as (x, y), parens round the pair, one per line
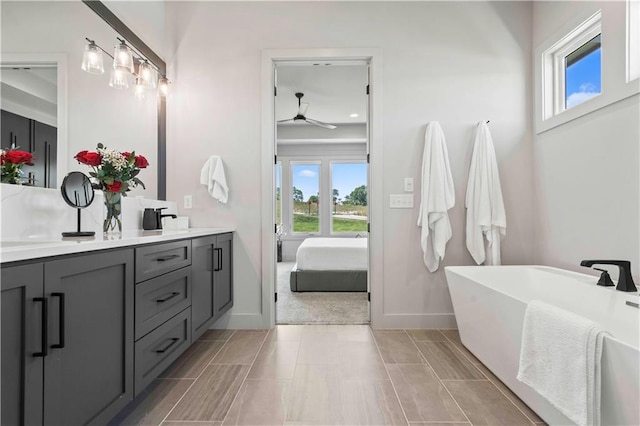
(60, 60)
(114, 22)
(65, 196)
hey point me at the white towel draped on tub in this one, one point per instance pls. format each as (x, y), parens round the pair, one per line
(437, 196)
(213, 177)
(486, 217)
(560, 359)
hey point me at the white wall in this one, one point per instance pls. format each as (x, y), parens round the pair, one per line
(96, 112)
(455, 62)
(587, 171)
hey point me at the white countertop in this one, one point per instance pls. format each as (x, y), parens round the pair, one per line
(35, 248)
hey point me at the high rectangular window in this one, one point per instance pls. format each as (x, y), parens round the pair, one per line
(572, 68)
(305, 178)
(583, 73)
(350, 199)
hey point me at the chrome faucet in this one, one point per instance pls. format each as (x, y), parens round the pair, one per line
(625, 280)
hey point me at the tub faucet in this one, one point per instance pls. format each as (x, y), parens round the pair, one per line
(625, 280)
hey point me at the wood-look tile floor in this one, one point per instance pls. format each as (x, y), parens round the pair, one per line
(327, 375)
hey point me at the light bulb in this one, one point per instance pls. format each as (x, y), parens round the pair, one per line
(92, 61)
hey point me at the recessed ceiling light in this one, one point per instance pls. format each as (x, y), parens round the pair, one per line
(354, 115)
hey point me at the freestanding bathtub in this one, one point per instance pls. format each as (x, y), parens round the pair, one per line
(489, 303)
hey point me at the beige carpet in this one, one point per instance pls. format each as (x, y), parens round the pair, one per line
(318, 307)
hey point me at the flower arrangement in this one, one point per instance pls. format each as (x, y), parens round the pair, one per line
(116, 174)
(11, 163)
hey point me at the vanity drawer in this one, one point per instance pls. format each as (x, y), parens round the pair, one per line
(158, 349)
(160, 298)
(158, 259)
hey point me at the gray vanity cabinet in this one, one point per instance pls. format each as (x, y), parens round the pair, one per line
(212, 281)
(67, 339)
(89, 369)
(15, 131)
(223, 274)
(22, 372)
(45, 152)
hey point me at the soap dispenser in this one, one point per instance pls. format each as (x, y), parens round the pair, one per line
(149, 219)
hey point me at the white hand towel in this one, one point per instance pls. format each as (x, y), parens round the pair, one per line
(486, 217)
(437, 196)
(213, 177)
(560, 359)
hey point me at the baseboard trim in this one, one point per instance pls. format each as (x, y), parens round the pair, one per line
(240, 321)
(415, 321)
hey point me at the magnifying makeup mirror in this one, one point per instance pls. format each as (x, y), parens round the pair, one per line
(78, 193)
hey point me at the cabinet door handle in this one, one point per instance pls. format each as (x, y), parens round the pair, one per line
(47, 166)
(174, 340)
(174, 294)
(45, 326)
(219, 259)
(165, 258)
(61, 327)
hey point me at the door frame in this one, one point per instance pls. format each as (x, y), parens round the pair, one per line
(376, 202)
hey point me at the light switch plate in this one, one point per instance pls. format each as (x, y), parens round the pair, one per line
(408, 184)
(401, 201)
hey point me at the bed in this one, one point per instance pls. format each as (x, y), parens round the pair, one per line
(330, 264)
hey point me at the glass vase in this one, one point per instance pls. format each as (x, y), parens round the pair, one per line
(113, 213)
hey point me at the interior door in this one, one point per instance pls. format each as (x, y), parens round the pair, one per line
(368, 136)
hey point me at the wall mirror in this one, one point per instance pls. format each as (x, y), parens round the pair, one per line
(84, 110)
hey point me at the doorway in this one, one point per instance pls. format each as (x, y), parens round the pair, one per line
(320, 196)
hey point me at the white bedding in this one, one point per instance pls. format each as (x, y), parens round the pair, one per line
(332, 254)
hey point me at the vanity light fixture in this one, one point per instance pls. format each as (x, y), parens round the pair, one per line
(92, 61)
(123, 56)
(145, 74)
(163, 87)
(128, 64)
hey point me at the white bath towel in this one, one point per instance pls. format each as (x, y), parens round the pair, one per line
(560, 359)
(486, 217)
(437, 196)
(213, 177)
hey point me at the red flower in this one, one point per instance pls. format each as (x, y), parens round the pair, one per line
(126, 154)
(141, 162)
(115, 186)
(89, 158)
(18, 157)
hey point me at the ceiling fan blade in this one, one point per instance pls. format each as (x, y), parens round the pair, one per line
(320, 123)
(302, 110)
(285, 121)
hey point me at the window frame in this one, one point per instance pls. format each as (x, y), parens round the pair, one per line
(554, 63)
(347, 234)
(292, 164)
(615, 64)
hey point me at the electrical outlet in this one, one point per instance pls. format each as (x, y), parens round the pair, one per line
(188, 202)
(408, 184)
(401, 201)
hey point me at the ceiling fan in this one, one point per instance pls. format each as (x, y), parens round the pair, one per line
(302, 110)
